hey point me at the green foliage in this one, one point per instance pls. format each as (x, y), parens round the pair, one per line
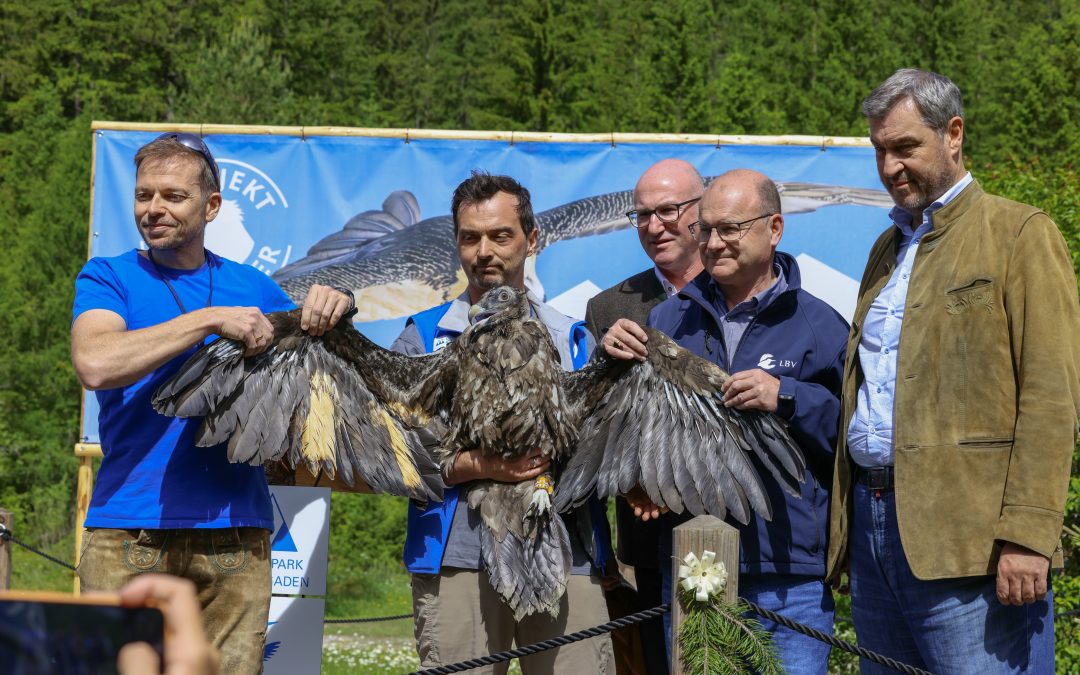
(43, 234)
(842, 662)
(29, 570)
(366, 539)
(258, 91)
(1055, 188)
(722, 639)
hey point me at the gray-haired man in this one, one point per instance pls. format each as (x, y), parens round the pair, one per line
(960, 404)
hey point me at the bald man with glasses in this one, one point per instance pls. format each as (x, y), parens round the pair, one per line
(665, 204)
(747, 313)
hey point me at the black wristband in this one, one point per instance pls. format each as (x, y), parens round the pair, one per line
(352, 301)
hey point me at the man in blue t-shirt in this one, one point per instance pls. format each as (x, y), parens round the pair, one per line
(784, 348)
(458, 614)
(160, 503)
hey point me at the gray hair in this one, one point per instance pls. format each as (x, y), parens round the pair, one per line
(936, 97)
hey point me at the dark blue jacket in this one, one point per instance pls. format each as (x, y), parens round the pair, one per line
(800, 340)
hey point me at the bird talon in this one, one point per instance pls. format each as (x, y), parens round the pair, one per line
(540, 503)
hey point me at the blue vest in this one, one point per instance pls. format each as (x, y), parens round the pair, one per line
(429, 525)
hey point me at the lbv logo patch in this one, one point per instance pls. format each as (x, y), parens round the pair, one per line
(768, 362)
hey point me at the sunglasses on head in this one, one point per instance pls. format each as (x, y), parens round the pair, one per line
(196, 143)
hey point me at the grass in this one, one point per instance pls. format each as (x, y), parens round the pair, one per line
(31, 572)
(377, 648)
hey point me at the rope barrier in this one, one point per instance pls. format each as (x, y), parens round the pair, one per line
(834, 641)
(544, 645)
(370, 619)
(654, 612)
(6, 535)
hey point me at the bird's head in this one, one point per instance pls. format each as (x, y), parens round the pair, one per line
(503, 303)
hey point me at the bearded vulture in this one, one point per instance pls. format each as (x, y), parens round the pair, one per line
(340, 404)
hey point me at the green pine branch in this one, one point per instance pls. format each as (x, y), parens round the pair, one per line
(720, 638)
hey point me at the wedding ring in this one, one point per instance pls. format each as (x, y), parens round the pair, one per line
(616, 344)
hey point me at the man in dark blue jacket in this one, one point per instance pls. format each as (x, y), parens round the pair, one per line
(785, 349)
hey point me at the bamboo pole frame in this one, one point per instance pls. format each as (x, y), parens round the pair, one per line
(613, 138)
(84, 487)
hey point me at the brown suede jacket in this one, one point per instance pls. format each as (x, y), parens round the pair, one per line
(988, 388)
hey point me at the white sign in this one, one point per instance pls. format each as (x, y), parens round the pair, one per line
(294, 636)
(300, 541)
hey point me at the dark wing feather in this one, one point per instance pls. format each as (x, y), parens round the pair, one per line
(662, 424)
(335, 403)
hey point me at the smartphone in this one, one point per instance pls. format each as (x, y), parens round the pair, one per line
(44, 633)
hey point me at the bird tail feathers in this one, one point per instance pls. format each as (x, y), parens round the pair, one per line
(528, 560)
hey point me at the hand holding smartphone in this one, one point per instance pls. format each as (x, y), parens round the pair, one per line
(151, 626)
(187, 651)
(45, 633)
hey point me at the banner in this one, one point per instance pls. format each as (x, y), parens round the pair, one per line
(372, 212)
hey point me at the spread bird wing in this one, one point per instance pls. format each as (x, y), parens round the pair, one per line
(662, 424)
(335, 403)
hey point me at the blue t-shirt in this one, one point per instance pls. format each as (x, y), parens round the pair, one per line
(152, 475)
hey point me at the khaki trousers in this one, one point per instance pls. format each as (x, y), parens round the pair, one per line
(459, 616)
(230, 568)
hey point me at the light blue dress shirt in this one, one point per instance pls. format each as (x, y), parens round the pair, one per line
(870, 432)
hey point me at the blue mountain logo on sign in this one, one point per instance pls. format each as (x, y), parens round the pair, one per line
(283, 540)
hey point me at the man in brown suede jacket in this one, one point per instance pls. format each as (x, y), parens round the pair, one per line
(959, 412)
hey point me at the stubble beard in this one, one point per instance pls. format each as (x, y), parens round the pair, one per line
(923, 193)
(489, 281)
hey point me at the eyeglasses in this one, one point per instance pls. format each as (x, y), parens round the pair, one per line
(729, 232)
(196, 143)
(665, 213)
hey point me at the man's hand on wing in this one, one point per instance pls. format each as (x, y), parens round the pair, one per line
(323, 308)
(473, 465)
(626, 340)
(244, 324)
(644, 507)
(751, 389)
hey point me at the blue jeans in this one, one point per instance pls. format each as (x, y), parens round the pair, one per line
(944, 626)
(800, 598)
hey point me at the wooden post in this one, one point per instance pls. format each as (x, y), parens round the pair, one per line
(5, 552)
(84, 487)
(703, 533)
